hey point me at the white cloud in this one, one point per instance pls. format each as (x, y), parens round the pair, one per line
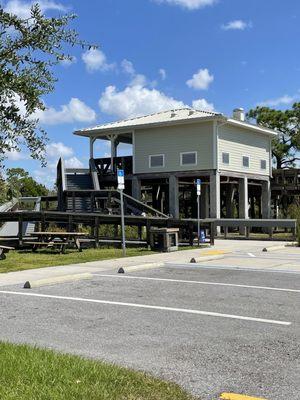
(140, 97)
(56, 150)
(283, 100)
(75, 111)
(22, 8)
(15, 155)
(127, 67)
(163, 74)
(200, 80)
(136, 79)
(95, 60)
(202, 104)
(237, 24)
(73, 162)
(189, 4)
(135, 101)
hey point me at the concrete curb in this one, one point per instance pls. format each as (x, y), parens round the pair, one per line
(57, 279)
(143, 266)
(279, 247)
(206, 258)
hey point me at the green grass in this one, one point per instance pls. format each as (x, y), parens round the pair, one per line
(26, 259)
(28, 373)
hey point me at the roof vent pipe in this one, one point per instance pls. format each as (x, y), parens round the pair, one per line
(191, 112)
(239, 114)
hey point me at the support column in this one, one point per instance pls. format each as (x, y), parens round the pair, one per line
(113, 149)
(215, 196)
(243, 201)
(92, 141)
(136, 188)
(265, 199)
(230, 190)
(204, 207)
(173, 196)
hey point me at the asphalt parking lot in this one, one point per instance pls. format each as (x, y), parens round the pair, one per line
(212, 330)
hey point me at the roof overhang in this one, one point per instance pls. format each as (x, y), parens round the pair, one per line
(125, 132)
(256, 128)
(103, 132)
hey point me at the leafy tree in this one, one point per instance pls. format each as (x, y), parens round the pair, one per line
(29, 48)
(20, 184)
(286, 146)
(3, 190)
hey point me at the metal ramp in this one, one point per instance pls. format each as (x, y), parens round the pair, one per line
(11, 229)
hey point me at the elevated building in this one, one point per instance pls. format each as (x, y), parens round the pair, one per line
(170, 149)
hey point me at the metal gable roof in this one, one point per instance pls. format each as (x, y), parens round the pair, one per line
(169, 117)
(176, 115)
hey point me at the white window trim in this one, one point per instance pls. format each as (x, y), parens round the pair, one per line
(157, 155)
(263, 169)
(189, 152)
(246, 155)
(226, 152)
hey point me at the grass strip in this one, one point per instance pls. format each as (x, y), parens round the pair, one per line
(20, 260)
(37, 374)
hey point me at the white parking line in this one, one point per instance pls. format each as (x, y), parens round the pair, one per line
(251, 255)
(199, 267)
(147, 306)
(199, 282)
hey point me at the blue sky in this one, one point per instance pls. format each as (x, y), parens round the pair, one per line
(158, 54)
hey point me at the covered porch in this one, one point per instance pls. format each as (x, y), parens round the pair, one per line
(110, 164)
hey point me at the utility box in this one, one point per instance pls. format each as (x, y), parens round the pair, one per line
(164, 239)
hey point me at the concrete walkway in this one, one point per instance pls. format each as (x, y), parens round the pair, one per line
(233, 253)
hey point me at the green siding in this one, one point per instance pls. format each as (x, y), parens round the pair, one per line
(171, 141)
(239, 142)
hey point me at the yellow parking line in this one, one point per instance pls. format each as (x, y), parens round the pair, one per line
(213, 252)
(233, 396)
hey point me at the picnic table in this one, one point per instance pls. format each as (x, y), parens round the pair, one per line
(3, 250)
(56, 239)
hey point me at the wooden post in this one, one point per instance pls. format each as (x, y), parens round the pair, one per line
(271, 232)
(73, 201)
(191, 233)
(148, 227)
(70, 223)
(212, 233)
(140, 232)
(225, 232)
(116, 231)
(294, 232)
(247, 232)
(43, 222)
(92, 202)
(20, 230)
(96, 232)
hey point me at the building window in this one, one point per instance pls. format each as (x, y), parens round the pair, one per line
(157, 160)
(188, 158)
(263, 164)
(246, 161)
(225, 158)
